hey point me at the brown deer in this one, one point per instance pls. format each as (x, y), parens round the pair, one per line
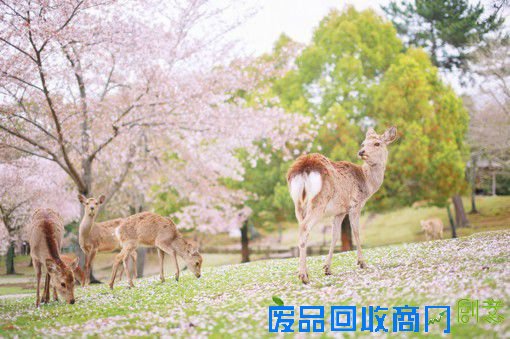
(152, 230)
(46, 231)
(73, 263)
(323, 189)
(433, 228)
(97, 236)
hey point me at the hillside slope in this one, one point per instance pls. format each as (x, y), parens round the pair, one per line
(233, 300)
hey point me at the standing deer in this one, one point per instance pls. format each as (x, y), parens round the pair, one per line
(97, 236)
(433, 228)
(46, 231)
(152, 230)
(323, 189)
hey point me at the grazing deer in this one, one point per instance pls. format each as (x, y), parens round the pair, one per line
(433, 228)
(73, 263)
(152, 230)
(46, 231)
(97, 236)
(323, 189)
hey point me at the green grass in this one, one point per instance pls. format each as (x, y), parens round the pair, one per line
(233, 300)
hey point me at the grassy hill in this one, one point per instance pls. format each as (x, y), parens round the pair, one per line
(232, 301)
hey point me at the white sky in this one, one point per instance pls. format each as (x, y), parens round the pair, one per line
(296, 18)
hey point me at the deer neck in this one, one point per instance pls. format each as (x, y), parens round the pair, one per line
(180, 245)
(374, 176)
(86, 227)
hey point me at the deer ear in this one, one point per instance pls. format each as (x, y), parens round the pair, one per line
(75, 264)
(370, 132)
(101, 199)
(51, 266)
(82, 198)
(390, 135)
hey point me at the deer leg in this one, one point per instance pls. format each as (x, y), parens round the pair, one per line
(354, 219)
(176, 267)
(91, 260)
(118, 259)
(128, 250)
(46, 293)
(121, 272)
(134, 259)
(37, 266)
(335, 234)
(87, 268)
(125, 268)
(161, 256)
(164, 246)
(304, 230)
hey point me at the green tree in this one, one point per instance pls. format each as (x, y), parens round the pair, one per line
(429, 160)
(448, 30)
(329, 81)
(265, 182)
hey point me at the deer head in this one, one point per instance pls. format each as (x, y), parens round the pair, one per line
(91, 204)
(424, 225)
(373, 149)
(193, 259)
(62, 278)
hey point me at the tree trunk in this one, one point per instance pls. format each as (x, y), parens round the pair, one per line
(346, 234)
(140, 261)
(245, 250)
(452, 224)
(9, 260)
(474, 165)
(494, 183)
(460, 214)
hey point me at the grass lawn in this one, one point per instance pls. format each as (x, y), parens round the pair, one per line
(233, 300)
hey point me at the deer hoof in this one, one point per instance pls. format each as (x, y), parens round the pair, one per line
(111, 286)
(162, 279)
(176, 277)
(304, 278)
(327, 270)
(362, 264)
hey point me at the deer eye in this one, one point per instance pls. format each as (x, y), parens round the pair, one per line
(196, 264)
(63, 284)
(377, 144)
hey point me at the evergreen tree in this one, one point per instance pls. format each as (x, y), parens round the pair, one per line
(448, 30)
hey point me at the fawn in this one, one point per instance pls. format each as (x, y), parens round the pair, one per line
(322, 189)
(73, 263)
(433, 228)
(46, 231)
(152, 230)
(97, 236)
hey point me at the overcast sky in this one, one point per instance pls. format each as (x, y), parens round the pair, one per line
(296, 18)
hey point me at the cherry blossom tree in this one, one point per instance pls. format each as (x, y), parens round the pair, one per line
(27, 184)
(81, 78)
(85, 83)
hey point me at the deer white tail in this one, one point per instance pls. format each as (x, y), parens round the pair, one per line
(304, 187)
